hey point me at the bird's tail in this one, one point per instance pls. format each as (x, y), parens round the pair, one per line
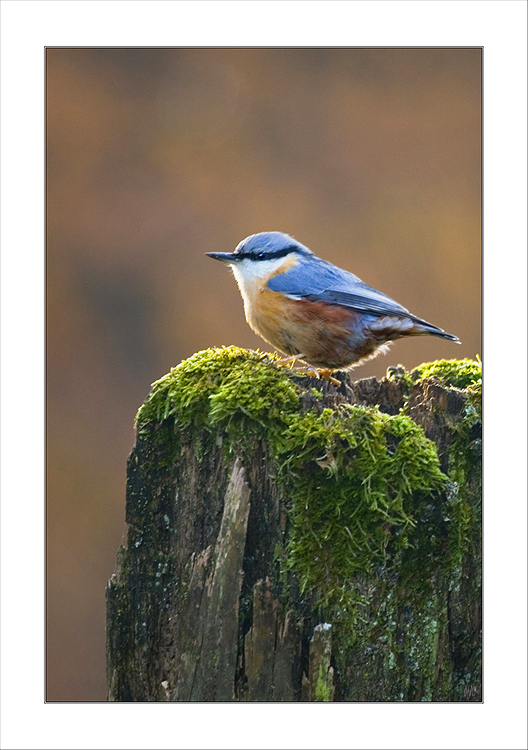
(423, 328)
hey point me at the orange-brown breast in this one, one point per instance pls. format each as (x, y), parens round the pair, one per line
(329, 336)
(324, 334)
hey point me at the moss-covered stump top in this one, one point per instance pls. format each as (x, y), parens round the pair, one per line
(360, 480)
(355, 560)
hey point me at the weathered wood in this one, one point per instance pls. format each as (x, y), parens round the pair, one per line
(272, 649)
(207, 605)
(321, 673)
(210, 612)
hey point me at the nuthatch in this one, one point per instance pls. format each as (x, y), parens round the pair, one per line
(314, 311)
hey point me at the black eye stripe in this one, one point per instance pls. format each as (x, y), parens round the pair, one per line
(267, 254)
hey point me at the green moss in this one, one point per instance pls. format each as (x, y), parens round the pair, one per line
(361, 485)
(459, 373)
(464, 471)
(464, 489)
(323, 686)
(351, 475)
(399, 373)
(215, 384)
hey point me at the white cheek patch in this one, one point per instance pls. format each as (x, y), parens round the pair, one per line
(251, 273)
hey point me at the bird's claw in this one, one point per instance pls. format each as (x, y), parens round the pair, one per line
(322, 374)
(291, 360)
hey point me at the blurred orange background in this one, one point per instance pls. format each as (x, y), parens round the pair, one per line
(370, 157)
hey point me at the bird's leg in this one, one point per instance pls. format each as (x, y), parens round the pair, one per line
(327, 375)
(291, 360)
(318, 373)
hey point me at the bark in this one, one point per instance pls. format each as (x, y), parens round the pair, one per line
(200, 607)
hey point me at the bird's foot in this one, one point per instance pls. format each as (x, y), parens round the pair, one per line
(323, 374)
(327, 375)
(291, 360)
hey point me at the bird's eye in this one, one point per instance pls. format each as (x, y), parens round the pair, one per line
(261, 256)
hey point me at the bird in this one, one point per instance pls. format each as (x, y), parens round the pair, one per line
(312, 311)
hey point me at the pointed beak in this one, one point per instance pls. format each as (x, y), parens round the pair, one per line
(224, 257)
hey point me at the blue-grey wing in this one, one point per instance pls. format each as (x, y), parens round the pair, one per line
(314, 279)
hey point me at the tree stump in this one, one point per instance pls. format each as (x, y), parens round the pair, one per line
(293, 540)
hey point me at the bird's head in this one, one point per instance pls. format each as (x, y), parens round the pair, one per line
(260, 255)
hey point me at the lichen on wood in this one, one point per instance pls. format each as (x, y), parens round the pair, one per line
(362, 512)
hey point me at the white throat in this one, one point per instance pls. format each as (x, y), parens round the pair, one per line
(251, 275)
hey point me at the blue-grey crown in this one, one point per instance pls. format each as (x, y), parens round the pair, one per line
(269, 245)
